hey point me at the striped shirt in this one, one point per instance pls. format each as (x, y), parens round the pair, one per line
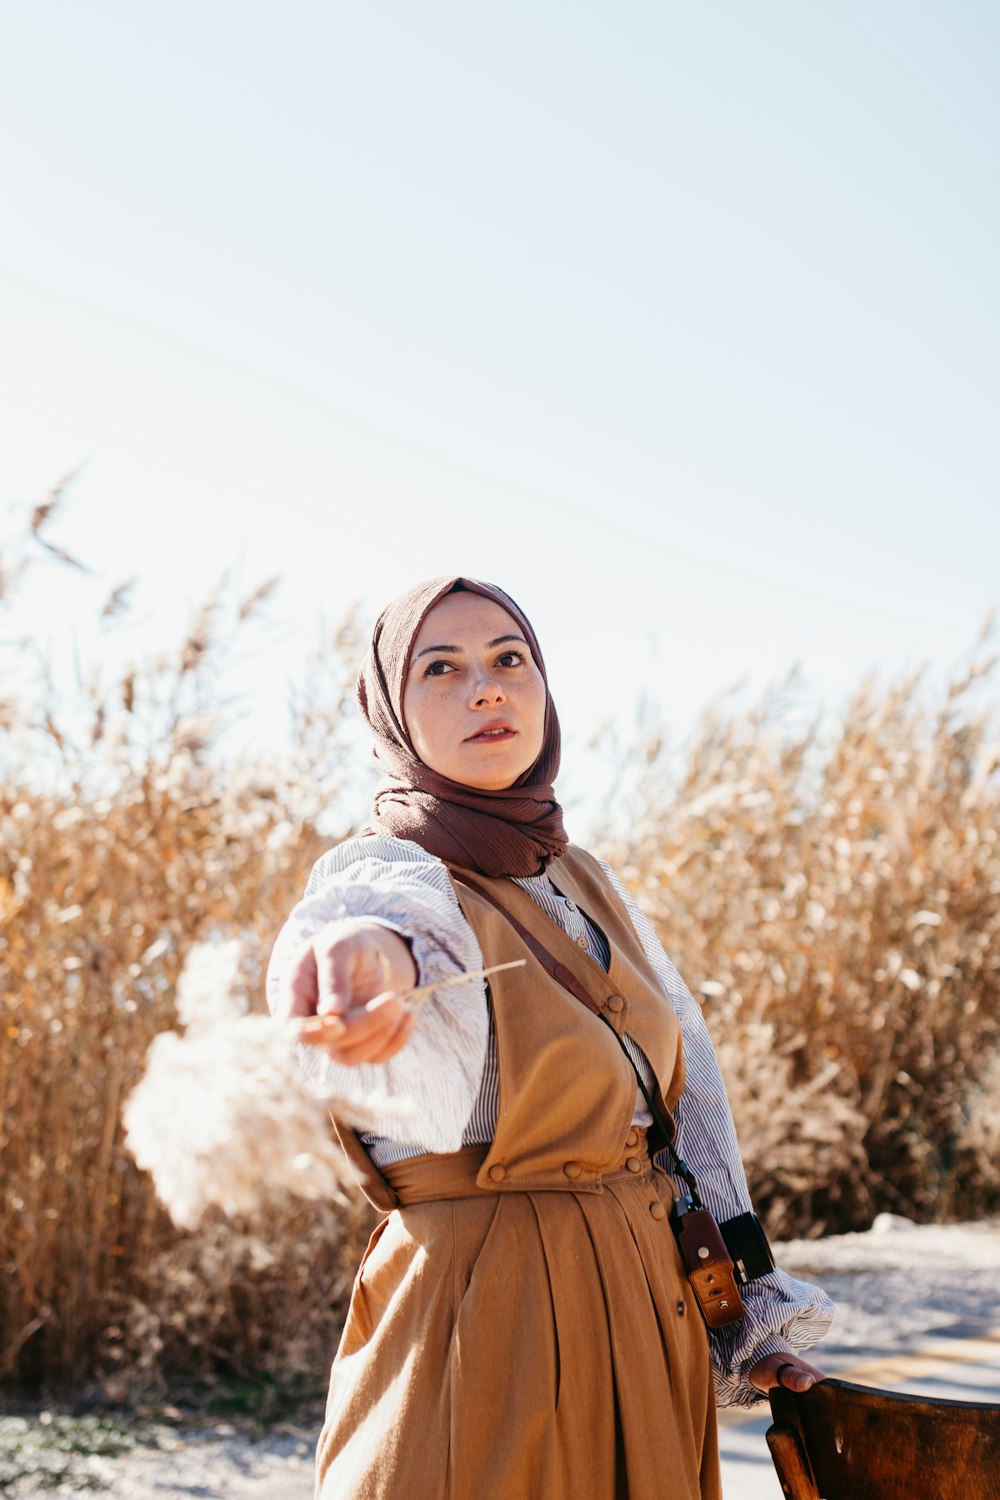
(482, 1121)
(447, 1072)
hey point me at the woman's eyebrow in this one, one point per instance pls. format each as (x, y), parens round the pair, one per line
(426, 650)
(458, 650)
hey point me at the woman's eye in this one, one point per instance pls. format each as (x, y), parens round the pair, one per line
(442, 668)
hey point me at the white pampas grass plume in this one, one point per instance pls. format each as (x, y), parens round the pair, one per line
(206, 987)
(223, 1115)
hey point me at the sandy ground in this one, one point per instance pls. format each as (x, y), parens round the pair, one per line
(897, 1281)
(901, 1291)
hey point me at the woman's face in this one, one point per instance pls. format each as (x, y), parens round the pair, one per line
(474, 700)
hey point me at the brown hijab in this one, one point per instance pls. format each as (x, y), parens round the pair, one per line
(515, 831)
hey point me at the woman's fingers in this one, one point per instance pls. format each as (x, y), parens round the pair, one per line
(347, 982)
(345, 965)
(371, 1034)
(303, 984)
(784, 1369)
(795, 1379)
(337, 965)
(397, 1033)
(365, 1030)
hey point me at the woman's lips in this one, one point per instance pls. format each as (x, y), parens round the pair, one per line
(494, 734)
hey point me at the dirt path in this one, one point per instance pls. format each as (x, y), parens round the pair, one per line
(53, 1455)
(893, 1285)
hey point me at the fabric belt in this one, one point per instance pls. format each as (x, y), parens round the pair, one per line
(421, 1179)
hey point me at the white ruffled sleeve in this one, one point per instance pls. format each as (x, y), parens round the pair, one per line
(435, 1077)
(782, 1314)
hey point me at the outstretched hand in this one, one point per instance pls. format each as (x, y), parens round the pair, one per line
(784, 1369)
(350, 975)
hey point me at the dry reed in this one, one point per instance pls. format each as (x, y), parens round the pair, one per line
(834, 898)
(124, 842)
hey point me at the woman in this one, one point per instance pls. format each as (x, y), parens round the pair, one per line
(521, 1325)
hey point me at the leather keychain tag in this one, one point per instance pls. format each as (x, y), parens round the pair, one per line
(709, 1267)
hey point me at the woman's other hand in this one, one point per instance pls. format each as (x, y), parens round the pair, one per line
(349, 976)
(784, 1369)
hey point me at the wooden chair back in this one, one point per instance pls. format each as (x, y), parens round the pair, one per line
(850, 1442)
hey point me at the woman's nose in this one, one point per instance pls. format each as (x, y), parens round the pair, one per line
(487, 690)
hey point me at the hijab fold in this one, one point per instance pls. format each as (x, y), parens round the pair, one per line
(515, 831)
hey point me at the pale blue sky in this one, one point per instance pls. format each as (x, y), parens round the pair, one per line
(679, 322)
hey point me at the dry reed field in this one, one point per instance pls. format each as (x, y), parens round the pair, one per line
(834, 898)
(835, 901)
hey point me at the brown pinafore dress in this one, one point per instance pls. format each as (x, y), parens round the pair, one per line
(521, 1327)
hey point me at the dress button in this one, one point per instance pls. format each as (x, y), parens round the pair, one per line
(570, 905)
(581, 941)
(657, 1210)
(615, 1003)
(497, 1173)
(634, 1164)
(632, 1139)
(572, 1169)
